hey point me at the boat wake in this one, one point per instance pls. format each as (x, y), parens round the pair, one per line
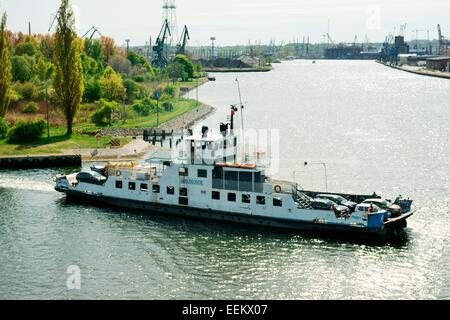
(25, 184)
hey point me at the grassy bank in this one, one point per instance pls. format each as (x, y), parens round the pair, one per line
(59, 141)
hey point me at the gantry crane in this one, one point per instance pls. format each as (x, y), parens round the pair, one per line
(443, 43)
(94, 31)
(160, 59)
(181, 47)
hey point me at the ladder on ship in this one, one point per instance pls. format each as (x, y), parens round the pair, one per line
(302, 199)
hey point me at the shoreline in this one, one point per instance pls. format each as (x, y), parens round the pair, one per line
(419, 71)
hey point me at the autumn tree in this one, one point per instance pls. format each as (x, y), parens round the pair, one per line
(108, 47)
(5, 69)
(68, 81)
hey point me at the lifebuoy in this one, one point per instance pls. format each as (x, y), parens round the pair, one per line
(277, 189)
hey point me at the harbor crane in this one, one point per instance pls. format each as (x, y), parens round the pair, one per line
(94, 30)
(443, 43)
(181, 47)
(160, 59)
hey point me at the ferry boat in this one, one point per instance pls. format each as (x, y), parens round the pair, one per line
(206, 181)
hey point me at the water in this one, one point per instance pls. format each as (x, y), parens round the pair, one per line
(377, 129)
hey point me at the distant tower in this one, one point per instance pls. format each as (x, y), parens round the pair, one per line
(169, 13)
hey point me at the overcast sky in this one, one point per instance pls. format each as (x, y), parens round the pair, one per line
(238, 21)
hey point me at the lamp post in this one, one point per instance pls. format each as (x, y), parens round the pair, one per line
(325, 169)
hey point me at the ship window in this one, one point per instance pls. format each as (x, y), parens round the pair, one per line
(156, 188)
(259, 181)
(245, 181)
(261, 200)
(215, 195)
(183, 201)
(277, 202)
(132, 185)
(119, 184)
(232, 197)
(202, 173)
(144, 187)
(231, 180)
(217, 179)
(246, 198)
(183, 172)
(183, 192)
(170, 190)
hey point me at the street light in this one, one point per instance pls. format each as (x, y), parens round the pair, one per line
(325, 168)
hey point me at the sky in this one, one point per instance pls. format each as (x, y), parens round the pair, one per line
(238, 21)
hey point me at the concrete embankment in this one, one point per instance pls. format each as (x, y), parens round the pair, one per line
(419, 70)
(44, 161)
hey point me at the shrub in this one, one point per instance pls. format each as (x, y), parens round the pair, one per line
(92, 91)
(31, 108)
(139, 78)
(171, 91)
(27, 90)
(103, 115)
(168, 106)
(26, 131)
(144, 107)
(3, 128)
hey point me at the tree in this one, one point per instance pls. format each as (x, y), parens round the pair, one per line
(187, 65)
(23, 68)
(108, 47)
(94, 49)
(112, 86)
(5, 70)
(68, 82)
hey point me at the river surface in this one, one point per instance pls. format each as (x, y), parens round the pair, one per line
(377, 129)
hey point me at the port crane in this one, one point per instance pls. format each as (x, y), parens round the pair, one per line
(181, 47)
(94, 31)
(443, 43)
(160, 59)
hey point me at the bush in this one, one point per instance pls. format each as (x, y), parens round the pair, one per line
(31, 108)
(168, 106)
(172, 91)
(3, 128)
(103, 116)
(27, 90)
(139, 78)
(92, 91)
(26, 131)
(144, 107)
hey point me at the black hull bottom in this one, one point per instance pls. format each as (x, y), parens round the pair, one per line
(394, 229)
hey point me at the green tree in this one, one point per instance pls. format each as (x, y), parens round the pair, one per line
(5, 70)
(187, 65)
(68, 82)
(29, 48)
(112, 86)
(23, 68)
(94, 49)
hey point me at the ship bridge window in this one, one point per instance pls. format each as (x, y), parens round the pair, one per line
(183, 192)
(201, 173)
(144, 187)
(261, 200)
(183, 172)
(156, 188)
(277, 202)
(217, 178)
(119, 184)
(259, 182)
(132, 185)
(231, 180)
(170, 190)
(215, 195)
(232, 197)
(246, 181)
(246, 198)
(183, 201)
